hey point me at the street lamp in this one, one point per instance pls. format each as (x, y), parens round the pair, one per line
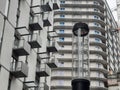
(81, 82)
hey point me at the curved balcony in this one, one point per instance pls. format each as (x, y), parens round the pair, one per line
(69, 50)
(65, 50)
(99, 78)
(100, 70)
(101, 15)
(102, 45)
(98, 88)
(104, 62)
(101, 22)
(103, 38)
(65, 58)
(61, 87)
(98, 52)
(66, 34)
(100, 1)
(64, 68)
(101, 8)
(65, 42)
(102, 30)
(61, 77)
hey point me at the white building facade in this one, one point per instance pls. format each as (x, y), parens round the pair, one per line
(103, 42)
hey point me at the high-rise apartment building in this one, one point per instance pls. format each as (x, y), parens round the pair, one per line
(27, 49)
(102, 40)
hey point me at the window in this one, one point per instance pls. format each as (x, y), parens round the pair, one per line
(62, 46)
(62, 15)
(61, 38)
(96, 17)
(96, 10)
(62, 9)
(62, 2)
(97, 39)
(62, 54)
(96, 24)
(62, 23)
(97, 32)
(61, 30)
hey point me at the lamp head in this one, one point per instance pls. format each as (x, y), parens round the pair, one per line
(80, 26)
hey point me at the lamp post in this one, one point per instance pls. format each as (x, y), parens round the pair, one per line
(81, 82)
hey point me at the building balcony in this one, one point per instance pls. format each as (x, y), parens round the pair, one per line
(102, 45)
(101, 29)
(99, 79)
(101, 8)
(56, 4)
(28, 85)
(22, 30)
(35, 41)
(98, 88)
(36, 24)
(19, 69)
(65, 42)
(101, 15)
(43, 70)
(78, 19)
(61, 86)
(47, 19)
(103, 70)
(104, 54)
(103, 38)
(47, 6)
(53, 62)
(66, 34)
(21, 48)
(102, 61)
(43, 55)
(65, 50)
(53, 46)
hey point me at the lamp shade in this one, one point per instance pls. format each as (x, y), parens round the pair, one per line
(80, 26)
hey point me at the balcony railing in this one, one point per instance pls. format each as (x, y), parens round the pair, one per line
(29, 85)
(56, 4)
(53, 62)
(43, 70)
(19, 69)
(21, 47)
(36, 24)
(35, 41)
(47, 6)
(53, 46)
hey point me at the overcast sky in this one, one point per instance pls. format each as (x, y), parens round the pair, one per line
(112, 4)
